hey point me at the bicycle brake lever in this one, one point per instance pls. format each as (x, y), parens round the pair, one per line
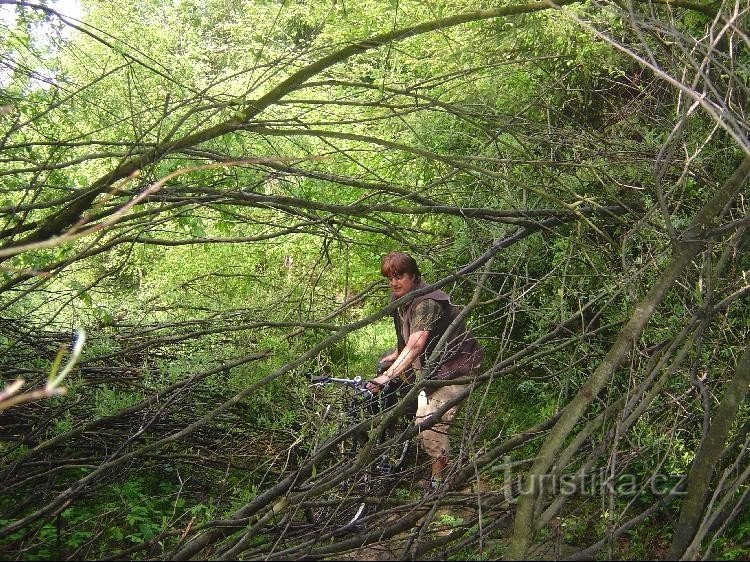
(362, 387)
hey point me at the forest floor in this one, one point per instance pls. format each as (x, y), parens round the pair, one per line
(394, 549)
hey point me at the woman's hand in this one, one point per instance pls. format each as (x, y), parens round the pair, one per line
(377, 384)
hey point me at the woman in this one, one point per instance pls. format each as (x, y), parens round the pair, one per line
(420, 325)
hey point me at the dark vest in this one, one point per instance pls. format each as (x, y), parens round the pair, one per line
(461, 353)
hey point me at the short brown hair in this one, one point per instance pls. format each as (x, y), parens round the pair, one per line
(398, 263)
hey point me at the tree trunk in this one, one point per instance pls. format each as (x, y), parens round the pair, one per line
(702, 469)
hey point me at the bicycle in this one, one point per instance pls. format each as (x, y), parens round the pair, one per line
(347, 502)
(361, 402)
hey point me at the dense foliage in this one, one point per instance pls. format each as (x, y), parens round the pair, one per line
(195, 197)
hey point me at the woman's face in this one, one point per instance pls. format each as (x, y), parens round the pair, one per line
(402, 283)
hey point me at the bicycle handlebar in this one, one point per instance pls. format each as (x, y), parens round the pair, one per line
(356, 383)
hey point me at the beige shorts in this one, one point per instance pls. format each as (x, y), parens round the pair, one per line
(435, 440)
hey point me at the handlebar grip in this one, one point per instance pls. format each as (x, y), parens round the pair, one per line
(324, 378)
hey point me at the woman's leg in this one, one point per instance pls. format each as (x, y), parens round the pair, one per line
(435, 440)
